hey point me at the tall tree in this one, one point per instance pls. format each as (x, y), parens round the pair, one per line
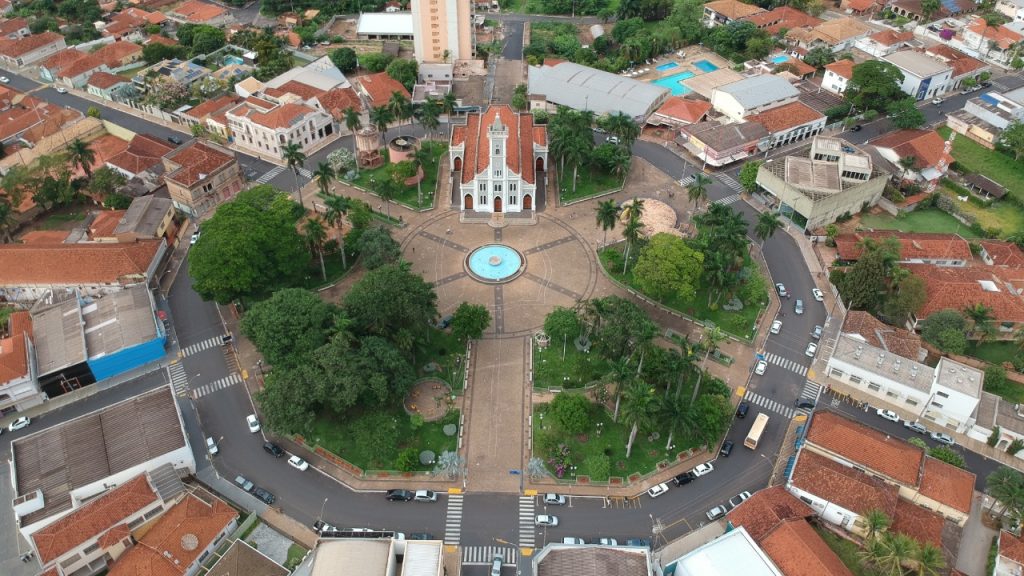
(353, 122)
(336, 209)
(287, 327)
(377, 248)
(640, 406)
(981, 318)
(469, 321)
(80, 154)
(421, 159)
(380, 117)
(748, 175)
(607, 214)
(767, 224)
(295, 159)
(697, 191)
(877, 522)
(875, 83)
(400, 108)
(632, 232)
(392, 303)
(324, 176)
(929, 560)
(7, 220)
(1012, 138)
(429, 115)
(315, 236)
(905, 114)
(624, 127)
(712, 338)
(667, 266)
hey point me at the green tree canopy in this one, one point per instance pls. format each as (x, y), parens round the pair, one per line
(375, 61)
(344, 59)
(249, 247)
(289, 326)
(562, 324)
(667, 266)
(905, 114)
(377, 248)
(908, 299)
(748, 175)
(469, 321)
(393, 303)
(874, 85)
(621, 326)
(403, 71)
(947, 455)
(946, 330)
(1012, 139)
(571, 412)
(820, 56)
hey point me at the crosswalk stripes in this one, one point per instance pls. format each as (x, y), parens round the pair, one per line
(305, 173)
(485, 554)
(810, 393)
(526, 518)
(729, 181)
(686, 181)
(270, 174)
(786, 363)
(217, 385)
(179, 380)
(730, 199)
(200, 346)
(453, 520)
(769, 404)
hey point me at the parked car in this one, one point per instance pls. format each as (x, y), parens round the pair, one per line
(253, 422)
(425, 496)
(781, 288)
(716, 512)
(684, 478)
(496, 564)
(760, 367)
(320, 527)
(243, 483)
(573, 540)
(811, 350)
(640, 542)
(776, 327)
(605, 541)
(857, 128)
(554, 499)
(818, 295)
(702, 469)
(816, 333)
(62, 90)
(726, 448)
(805, 403)
(986, 84)
(211, 446)
(936, 101)
(658, 490)
(915, 427)
(546, 520)
(19, 423)
(399, 495)
(265, 496)
(195, 237)
(738, 499)
(742, 409)
(612, 140)
(421, 536)
(798, 306)
(174, 140)
(888, 415)
(942, 438)
(273, 449)
(5, 80)
(298, 463)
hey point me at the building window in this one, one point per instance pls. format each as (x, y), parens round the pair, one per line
(856, 379)
(942, 395)
(512, 200)
(512, 187)
(497, 149)
(911, 402)
(153, 513)
(70, 561)
(890, 394)
(837, 373)
(497, 188)
(936, 404)
(483, 187)
(874, 387)
(497, 173)
(91, 548)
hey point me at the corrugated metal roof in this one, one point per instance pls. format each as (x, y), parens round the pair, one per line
(582, 87)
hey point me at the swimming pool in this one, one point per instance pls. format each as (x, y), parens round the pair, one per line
(705, 65)
(779, 59)
(668, 66)
(233, 60)
(674, 83)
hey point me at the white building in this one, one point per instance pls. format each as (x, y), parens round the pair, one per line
(945, 396)
(752, 95)
(837, 75)
(498, 157)
(790, 122)
(735, 552)
(924, 76)
(377, 557)
(1013, 9)
(998, 109)
(265, 127)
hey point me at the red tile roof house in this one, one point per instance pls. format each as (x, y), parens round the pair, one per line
(18, 388)
(1000, 289)
(377, 88)
(142, 160)
(783, 18)
(676, 112)
(108, 86)
(963, 65)
(196, 12)
(1010, 559)
(930, 152)
(24, 51)
(200, 176)
(14, 28)
(498, 158)
(790, 123)
(915, 247)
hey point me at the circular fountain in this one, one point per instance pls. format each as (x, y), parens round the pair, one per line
(495, 264)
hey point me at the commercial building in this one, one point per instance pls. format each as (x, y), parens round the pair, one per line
(442, 30)
(924, 76)
(265, 127)
(720, 144)
(752, 95)
(583, 88)
(498, 161)
(574, 560)
(983, 118)
(790, 122)
(817, 185)
(377, 557)
(385, 26)
(200, 176)
(735, 552)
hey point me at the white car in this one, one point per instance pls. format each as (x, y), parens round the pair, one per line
(658, 490)
(554, 499)
(195, 237)
(5, 80)
(19, 423)
(298, 463)
(776, 327)
(738, 499)
(425, 496)
(760, 367)
(915, 427)
(613, 140)
(573, 540)
(818, 295)
(942, 438)
(62, 90)
(546, 520)
(211, 446)
(702, 469)
(812, 349)
(936, 101)
(888, 415)
(606, 542)
(781, 288)
(253, 423)
(716, 512)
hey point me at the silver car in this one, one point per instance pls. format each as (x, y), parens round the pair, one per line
(915, 427)
(942, 438)
(716, 512)
(798, 307)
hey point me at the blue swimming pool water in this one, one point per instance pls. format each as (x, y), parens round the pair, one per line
(674, 83)
(495, 262)
(705, 65)
(668, 66)
(233, 60)
(779, 59)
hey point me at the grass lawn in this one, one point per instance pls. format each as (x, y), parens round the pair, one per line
(295, 555)
(994, 352)
(993, 164)
(60, 220)
(611, 442)
(408, 195)
(131, 72)
(1005, 216)
(339, 435)
(332, 264)
(588, 183)
(925, 220)
(847, 551)
(739, 323)
(577, 370)
(444, 350)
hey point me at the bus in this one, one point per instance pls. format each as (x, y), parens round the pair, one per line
(756, 430)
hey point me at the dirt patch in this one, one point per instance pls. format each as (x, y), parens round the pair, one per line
(427, 398)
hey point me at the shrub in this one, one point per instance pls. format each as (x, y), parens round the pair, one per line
(1015, 446)
(407, 459)
(572, 412)
(993, 438)
(599, 466)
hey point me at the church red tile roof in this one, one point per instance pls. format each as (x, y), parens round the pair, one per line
(522, 135)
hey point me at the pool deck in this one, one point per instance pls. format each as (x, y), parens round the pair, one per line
(683, 64)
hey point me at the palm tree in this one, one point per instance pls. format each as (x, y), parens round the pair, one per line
(929, 560)
(295, 159)
(607, 216)
(386, 190)
(767, 224)
(380, 117)
(697, 191)
(632, 232)
(712, 338)
(448, 103)
(324, 176)
(576, 153)
(400, 108)
(315, 236)
(624, 127)
(421, 158)
(906, 162)
(80, 154)
(981, 319)
(892, 552)
(429, 114)
(353, 122)
(640, 407)
(336, 209)
(877, 522)
(1006, 486)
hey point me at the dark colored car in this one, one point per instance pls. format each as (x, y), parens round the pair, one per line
(399, 495)
(726, 448)
(273, 449)
(986, 84)
(804, 403)
(174, 140)
(421, 536)
(263, 495)
(741, 412)
(684, 478)
(857, 128)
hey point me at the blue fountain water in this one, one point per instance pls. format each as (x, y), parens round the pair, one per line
(495, 262)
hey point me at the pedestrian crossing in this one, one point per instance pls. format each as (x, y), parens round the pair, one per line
(769, 404)
(179, 380)
(270, 175)
(730, 199)
(786, 363)
(305, 173)
(200, 346)
(729, 181)
(810, 393)
(485, 554)
(686, 181)
(527, 537)
(216, 385)
(453, 520)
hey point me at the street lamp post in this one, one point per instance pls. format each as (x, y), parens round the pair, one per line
(322, 506)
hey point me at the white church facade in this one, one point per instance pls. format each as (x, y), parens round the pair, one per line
(496, 158)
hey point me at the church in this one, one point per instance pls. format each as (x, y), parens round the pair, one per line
(497, 157)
